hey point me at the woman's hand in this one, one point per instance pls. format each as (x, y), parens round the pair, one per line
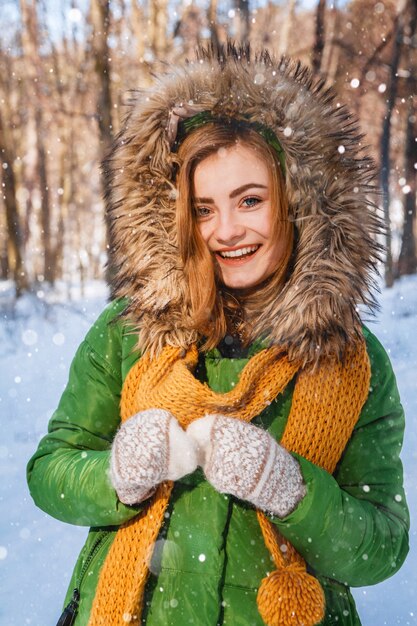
(245, 461)
(149, 448)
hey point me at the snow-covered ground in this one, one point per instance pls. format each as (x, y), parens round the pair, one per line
(37, 341)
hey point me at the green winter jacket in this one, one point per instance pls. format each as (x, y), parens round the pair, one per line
(210, 557)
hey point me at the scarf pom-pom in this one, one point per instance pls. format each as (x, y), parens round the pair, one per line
(291, 597)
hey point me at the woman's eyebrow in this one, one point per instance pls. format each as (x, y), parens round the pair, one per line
(204, 200)
(233, 193)
(239, 190)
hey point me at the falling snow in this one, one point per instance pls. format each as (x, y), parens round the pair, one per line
(38, 551)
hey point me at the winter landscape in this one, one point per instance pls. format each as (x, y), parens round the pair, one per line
(38, 338)
(68, 70)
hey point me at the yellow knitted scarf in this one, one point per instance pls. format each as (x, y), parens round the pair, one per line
(325, 408)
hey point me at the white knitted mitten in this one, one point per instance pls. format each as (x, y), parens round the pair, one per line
(149, 448)
(245, 461)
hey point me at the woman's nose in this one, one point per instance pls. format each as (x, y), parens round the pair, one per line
(229, 228)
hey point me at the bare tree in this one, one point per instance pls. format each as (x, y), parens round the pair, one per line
(30, 44)
(242, 21)
(287, 28)
(331, 52)
(14, 237)
(100, 18)
(189, 28)
(158, 27)
(407, 262)
(319, 41)
(138, 27)
(385, 145)
(212, 21)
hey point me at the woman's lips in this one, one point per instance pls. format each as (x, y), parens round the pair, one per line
(237, 256)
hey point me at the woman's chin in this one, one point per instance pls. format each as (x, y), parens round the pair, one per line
(244, 285)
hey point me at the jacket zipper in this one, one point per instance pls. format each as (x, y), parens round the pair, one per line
(70, 611)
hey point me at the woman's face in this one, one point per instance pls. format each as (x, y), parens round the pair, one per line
(232, 200)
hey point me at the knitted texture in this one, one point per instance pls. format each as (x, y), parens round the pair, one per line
(245, 461)
(149, 448)
(325, 408)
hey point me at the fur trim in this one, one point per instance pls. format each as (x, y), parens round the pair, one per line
(328, 179)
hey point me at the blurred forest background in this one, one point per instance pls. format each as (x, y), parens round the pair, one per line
(65, 70)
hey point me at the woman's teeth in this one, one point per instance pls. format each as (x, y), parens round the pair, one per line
(233, 254)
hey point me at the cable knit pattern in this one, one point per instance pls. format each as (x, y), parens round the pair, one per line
(247, 462)
(149, 448)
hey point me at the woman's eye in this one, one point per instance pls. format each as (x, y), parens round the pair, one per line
(202, 211)
(251, 201)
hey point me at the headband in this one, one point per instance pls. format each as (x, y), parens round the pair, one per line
(185, 118)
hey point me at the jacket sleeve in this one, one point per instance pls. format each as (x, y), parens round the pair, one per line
(68, 474)
(353, 526)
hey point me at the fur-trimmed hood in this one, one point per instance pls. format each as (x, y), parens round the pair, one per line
(328, 180)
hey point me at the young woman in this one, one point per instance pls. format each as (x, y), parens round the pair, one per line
(230, 430)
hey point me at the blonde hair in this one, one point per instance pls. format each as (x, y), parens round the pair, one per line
(215, 310)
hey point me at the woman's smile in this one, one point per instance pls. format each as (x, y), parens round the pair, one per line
(236, 255)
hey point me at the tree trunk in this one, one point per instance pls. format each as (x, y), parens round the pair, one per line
(318, 47)
(30, 42)
(14, 237)
(407, 262)
(212, 20)
(100, 16)
(138, 28)
(385, 149)
(243, 21)
(158, 26)
(287, 28)
(67, 168)
(49, 269)
(331, 52)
